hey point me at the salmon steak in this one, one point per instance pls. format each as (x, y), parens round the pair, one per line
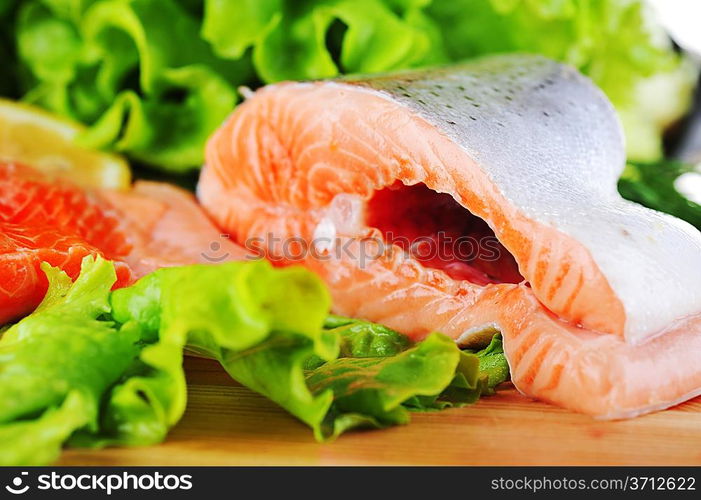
(44, 220)
(470, 200)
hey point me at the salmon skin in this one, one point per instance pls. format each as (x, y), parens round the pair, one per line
(44, 220)
(598, 299)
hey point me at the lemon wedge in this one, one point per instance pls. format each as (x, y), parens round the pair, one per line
(36, 138)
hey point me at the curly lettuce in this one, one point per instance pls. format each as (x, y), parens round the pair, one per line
(92, 367)
(289, 39)
(654, 186)
(153, 78)
(137, 71)
(56, 365)
(269, 330)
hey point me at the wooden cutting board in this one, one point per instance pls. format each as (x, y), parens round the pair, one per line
(226, 424)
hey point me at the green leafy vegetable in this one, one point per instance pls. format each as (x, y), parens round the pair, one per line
(56, 364)
(493, 363)
(261, 324)
(379, 391)
(652, 185)
(92, 367)
(270, 331)
(476, 373)
(363, 339)
(154, 78)
(70, 374)
(138, 71)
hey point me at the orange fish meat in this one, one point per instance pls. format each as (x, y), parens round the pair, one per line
(45, 220)
(469, 200)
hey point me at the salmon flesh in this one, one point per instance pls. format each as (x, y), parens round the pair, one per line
(377, 184)
(152, 225)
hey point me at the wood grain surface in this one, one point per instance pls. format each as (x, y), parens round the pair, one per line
(226, 424)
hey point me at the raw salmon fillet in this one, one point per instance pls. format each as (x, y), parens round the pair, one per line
(362, 180)
(44, 220)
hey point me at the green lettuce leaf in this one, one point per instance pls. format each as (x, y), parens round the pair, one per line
(49, 45)
(253, 19)
(475, 374)
(465, 387)
(363, 339)
(478, 374)
(293, 40)
(95, 368)
(56, 364)
(493, 363)
(652, 185)
(158, 131)
(379, 391)
(260, 323)
(270, 331)
(153, 78)
(138, 71)
(70, 374)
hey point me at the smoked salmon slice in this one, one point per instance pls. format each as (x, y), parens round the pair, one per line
(45, 220)
(377, 183)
